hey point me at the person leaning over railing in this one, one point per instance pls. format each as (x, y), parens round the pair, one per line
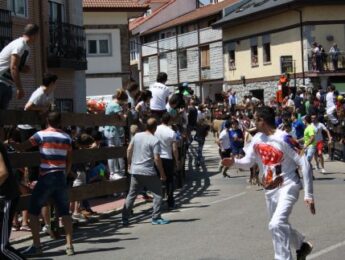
(13, 60)
(115, 134)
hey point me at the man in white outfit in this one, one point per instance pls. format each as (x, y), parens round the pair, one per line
(278, 156)
(330, 105)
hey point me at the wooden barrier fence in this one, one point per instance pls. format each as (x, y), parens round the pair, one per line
(29, 159)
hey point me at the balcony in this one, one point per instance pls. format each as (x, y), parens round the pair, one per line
(326, 65)
(5, 28)
(66, 46)
(210, 35)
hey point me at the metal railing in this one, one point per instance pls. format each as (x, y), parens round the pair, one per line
(326, 62)
(5, 28)
(66, 41)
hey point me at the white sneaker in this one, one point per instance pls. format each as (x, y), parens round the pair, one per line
(115, 176)
(323, 170)
(80, 218)
(46, 229)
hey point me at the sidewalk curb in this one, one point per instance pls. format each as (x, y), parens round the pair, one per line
(103, 215)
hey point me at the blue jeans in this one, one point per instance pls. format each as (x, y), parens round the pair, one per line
(310, 151)
(51, 185)
(5, 95)
(201, 143)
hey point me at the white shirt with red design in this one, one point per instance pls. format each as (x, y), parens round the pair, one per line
(278, 155)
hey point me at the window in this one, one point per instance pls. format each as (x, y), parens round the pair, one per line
(18, 7)
(64, 105)
(286, 64)
(232, 60)
(56, 12)
(205, 57)
(133, 49)
(163, 64)
(98, 45)
(188, 28)
(267, 52)
(254, 56)
(182, 59)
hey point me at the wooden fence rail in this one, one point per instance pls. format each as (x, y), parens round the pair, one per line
(30, 159)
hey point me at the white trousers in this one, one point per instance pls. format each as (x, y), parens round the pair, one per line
(279, 205)
(330, 114)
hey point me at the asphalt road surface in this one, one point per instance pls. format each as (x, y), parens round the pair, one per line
(216, 218)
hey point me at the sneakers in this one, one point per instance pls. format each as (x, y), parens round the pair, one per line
(25, 228)
(70, 250)
(323, 170)
(160, 221)
(89, 214)
(80, 218)
(305, 250)
(46, 229)
(32, 251)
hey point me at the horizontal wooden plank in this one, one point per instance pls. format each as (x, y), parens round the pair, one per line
(30, 159)
(98, 189)
(14, 117)
(92, 155)
(87, 191)
(91, 120)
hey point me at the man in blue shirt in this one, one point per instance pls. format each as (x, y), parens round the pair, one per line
(297, 126)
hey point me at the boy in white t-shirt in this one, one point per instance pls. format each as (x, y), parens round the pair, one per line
(224, 147)
(160, 95)
(13, 62)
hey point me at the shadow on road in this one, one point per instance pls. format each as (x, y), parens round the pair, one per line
(196, 185)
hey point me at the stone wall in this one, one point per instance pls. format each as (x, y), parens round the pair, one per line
(269, 87)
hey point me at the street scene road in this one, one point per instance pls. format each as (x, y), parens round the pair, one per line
(216, 218)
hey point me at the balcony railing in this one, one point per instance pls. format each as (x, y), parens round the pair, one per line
(5, 28)
(66, 46)
(327, 63)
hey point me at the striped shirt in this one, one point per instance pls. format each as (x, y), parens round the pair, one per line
(54, 145)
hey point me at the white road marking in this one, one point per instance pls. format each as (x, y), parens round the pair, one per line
(326, 250)
(228, 198)
(206, 204)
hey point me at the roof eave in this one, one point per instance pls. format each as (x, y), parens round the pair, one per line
(115, 9)
(185, 22)
(255, 16)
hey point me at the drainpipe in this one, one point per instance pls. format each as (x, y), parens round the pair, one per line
(302, 45)
(177, 59)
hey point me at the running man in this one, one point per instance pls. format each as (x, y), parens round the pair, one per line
(278, 156)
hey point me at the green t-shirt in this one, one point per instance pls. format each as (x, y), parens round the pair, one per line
(308, 133)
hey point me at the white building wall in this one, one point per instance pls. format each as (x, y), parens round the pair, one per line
(106, 64)
(102, 86)
(75, 16)
(216, 60)
(172, 68)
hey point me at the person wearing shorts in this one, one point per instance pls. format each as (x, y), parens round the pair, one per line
(319, 128)
(55, 151)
